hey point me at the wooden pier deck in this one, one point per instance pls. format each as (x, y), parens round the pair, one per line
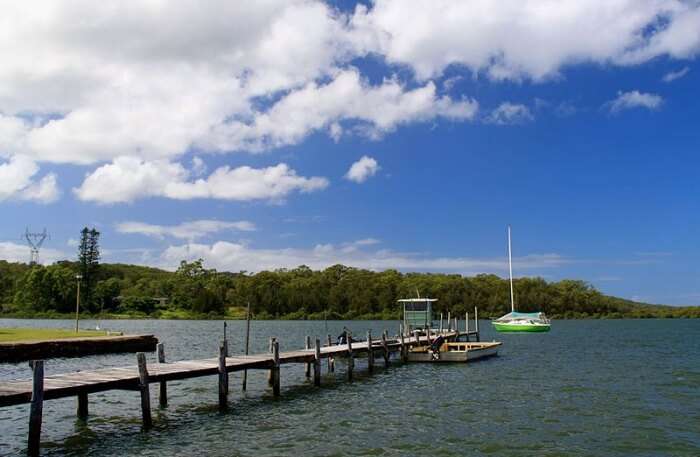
(138, 377)
(72, 384)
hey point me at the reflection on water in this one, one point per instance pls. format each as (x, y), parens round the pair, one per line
(586, 388)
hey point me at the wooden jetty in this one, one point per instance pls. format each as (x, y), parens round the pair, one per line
(18, 351)
(141, 376)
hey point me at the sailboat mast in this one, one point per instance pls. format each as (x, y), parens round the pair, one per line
(510, 270)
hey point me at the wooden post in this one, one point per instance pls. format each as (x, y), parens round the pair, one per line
(317, 363)
(370, 352)
(247, 344)
(276, 368)
(351, 360)
(331, 361)
(163, 394)
(36, 407)
(145, 393)
(449, 322)
(456, 325)
(223, 377)
(466, 325)
(386, 349)
(403, 348)
(476, 323)
(82, 406)
(270, 375)
(440, 322)
(307, 367)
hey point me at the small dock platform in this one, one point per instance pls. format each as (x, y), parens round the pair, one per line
(19, 351)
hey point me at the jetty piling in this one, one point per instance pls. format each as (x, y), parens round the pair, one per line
(145, 393)
(36, 407)
(351, 359)
(331, 361)
(270, 375)
(370, 352)
(476, 323)
(386, 348)
(317, 363)
(83, 406)
(247, 344)
(276, 368)
(307, 366)
(163, 393)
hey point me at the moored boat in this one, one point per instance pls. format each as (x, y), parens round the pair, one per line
(452, 352)
(515, 321)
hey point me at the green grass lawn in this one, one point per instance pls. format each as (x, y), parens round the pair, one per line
(39, 334)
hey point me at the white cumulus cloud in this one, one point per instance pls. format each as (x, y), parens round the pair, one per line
(15, 252)
(531, 39)
(16, 181)
(224, 255)
(190, 230)
(156, 80)
(363, 169)
(346, 98)
(634, 99)
(127, 179)
(674, 75)
(510, 113)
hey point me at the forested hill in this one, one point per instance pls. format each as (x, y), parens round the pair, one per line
(301, 293)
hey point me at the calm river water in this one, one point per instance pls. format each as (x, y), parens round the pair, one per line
(609, 387)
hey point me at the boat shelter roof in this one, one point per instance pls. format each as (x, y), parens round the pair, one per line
(414, 300)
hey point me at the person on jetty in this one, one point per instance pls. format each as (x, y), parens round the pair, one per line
(343, 337)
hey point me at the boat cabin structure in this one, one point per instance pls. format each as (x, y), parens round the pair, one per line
(417, 313)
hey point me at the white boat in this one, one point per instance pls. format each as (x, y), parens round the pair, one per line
(454, 351)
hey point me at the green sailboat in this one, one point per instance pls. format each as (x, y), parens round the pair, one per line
(515, 321)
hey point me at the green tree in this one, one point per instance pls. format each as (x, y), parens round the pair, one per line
(89, 261)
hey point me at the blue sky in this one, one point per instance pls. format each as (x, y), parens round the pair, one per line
(229, 133)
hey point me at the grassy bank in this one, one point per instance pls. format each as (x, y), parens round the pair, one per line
(40, 334)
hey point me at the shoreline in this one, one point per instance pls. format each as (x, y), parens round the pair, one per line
(182, 317)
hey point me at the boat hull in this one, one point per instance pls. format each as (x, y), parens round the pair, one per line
(520, 328)
(476, 351)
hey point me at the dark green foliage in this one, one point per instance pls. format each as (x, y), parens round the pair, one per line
(89, 261)
(334, 293)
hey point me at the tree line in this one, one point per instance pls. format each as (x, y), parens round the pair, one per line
(338, 292)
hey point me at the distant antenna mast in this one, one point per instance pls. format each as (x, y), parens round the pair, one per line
(35, 240)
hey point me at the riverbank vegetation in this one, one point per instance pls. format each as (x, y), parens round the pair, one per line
(338, 292)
